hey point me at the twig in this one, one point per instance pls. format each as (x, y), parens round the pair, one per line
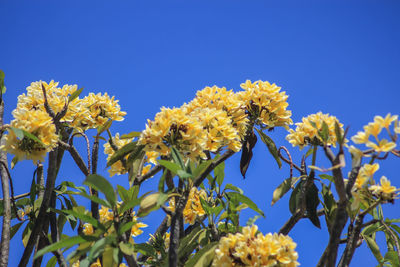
(288, 161)
(139, 180)
(87, 146)
(393, 237)
(77, 158)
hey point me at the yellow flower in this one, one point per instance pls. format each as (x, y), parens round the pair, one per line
(146, 169)
(360, 138)
(265, 101)
(385, 190)
(193, 208)
(373, 128)
(251, 249)
(135, 230)
(385, 122)
(366, 172)
(306, 132)
(96, 264)
(117, 167)
(87, 229)
(95, 110)
(383, 146)
(105, 214)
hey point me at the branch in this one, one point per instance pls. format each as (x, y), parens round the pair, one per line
(289, 161)
(139, 180)
(77, 158)
(94, 206)
(5, 233)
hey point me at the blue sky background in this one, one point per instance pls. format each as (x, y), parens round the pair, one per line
(339, 57)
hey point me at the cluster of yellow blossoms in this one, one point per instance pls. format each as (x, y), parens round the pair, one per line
(31, 116)
(373, 129)
(365, 185)
(251, 249)
(216, 118)
(193, 208)
(107, 215)
(307, 131)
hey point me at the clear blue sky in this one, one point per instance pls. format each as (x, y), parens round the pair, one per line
(339, 57)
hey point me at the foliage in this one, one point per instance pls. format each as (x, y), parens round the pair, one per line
(185, 150)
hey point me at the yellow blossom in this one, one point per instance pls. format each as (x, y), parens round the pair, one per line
(117, 167)
(87, 229)
(105, 214)
(360, 138)
(385, 122)
(250, 248)
(135, 230)
(385, 190)
(307, 131)
(96, 264)
(193, 208)
(266, 102)
(383, 146)
(146, 169)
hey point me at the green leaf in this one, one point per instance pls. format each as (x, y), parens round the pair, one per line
(103, 185)
(128, 205)
(243, 199)
(52, 262)
(327, 177)
(15, 229)
(18, 133)
(104, 127)
(184, 175)
(125, 227)
(312, 202)
(64, 243)
(392, 257)
(247, 153)
(95, 199)
(329, 204)
(150, 203)
(373, 246)
(206, 207)
(234, 188)
(203, 257)
(283, 188)
(123, 193)
(324, 132)
(32, 193)
(172, 166)
(75, 95)
(97, 248)
(219, 173)
(204, 165)
(22, 133)
(135, 166)
(123, 151)
(252, 220)
(85, 218)
(294, 200)
(176, 156)
(313, 124)
(338, 133)
(309, 151)
(130, 135)
(189, 242)
(271, 147)
(127, 249)
(145, 249)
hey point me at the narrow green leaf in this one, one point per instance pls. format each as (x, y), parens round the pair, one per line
(219, 173)
(294, 200)
(189, 242)
(104, 127)
(176, 156)
(64, 243)
(243, 199)
(52, 262)
(85, 218)
(247, 153)
(18, 133)
(127, 249)
(392, 257)
(312, 202)
(327, 177)
(15, 228)
(197, 171)
(123, 151)
(252, 220)
(14, 162)
(145, 249)
(234, 188)
(271, 147)
(130, 135)
(203, 257)
(206, 207)
(338, 133)
(373, 246)
(75, 95)
(183, 174)
(172, 166)
(101, 184)
(95, 199)
(97, 248)
(324, 132)
(283, 188)
(128, 205)
(123, 193)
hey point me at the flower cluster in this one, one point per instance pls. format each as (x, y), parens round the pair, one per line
(308, 131)
(385, 190)
(251, 249)
(95, 110)
(373, 129)
(36, 133)
(365, 174)
(215, 119)
(266, 103)
(193, 208)
(117, 142)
